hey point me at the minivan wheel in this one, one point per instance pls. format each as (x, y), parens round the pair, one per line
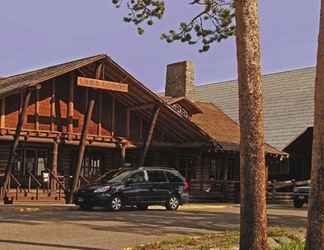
(173, 203)
(116, 203)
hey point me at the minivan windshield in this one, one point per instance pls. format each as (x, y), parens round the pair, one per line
(120, 177)
(110, 175)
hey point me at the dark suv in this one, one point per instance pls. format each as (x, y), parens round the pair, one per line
(138, 187)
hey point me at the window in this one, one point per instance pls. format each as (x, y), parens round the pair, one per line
(91, 165)
(173, 178)
(137, 177)
(30, 161)
(156, 176)
(182, 111)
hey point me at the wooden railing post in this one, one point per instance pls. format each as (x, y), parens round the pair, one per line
(21, 121)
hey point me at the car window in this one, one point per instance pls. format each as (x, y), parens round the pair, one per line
(120, 177)
(173, 178)
(156, 176)
(138, 177)
(109, 175)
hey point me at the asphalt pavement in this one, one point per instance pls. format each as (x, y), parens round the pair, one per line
(30, 226)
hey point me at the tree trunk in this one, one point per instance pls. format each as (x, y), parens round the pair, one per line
(252, 158)
(315, 228)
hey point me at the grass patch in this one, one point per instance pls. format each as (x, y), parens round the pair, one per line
(226, 240)
(220, 240)
(294, 245)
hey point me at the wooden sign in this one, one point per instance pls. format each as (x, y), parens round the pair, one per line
(101, 84)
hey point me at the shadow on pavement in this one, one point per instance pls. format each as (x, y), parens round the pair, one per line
(151, 222)
(39, 244)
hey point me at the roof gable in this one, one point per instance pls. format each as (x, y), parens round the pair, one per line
(137, 95)
(221, 127)
(34, 77)
(288, 102)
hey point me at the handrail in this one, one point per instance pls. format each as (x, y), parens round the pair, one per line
(16, 180)
(35, 179)
(57, 179)
(85, 179)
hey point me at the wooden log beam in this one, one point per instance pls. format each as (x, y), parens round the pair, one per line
(128, 120)
(37, 109)
(150, 135)
(21, 121)
(54, 165)
(99, 128)
(71, 104)
(122, 155)
(53, 113)
(141, 128)
(113, 116)
(83, 142)
(83, 139)
(3, 113)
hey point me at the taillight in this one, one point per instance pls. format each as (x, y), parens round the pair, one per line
(186, 186)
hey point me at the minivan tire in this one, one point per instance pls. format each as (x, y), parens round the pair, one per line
(116, 203)
(173, 203)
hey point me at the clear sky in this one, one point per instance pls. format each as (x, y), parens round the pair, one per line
(38, 33)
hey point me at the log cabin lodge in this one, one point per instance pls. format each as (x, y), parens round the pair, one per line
(64, 125)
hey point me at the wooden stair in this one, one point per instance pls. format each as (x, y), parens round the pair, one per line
(35, 196)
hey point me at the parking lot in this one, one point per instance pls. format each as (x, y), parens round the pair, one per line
(65, 227)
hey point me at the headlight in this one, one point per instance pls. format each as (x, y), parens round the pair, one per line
(102, 189)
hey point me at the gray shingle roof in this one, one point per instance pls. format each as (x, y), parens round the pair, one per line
(288, 103)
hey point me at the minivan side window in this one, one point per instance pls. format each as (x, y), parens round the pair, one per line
(138, 177)
(156, 176)
(173, 178)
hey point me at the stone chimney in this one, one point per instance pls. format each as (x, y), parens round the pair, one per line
(180, 78)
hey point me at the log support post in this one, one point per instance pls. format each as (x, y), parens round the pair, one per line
(54, 165)
(99, 130)
(122, 154)
(113, 115)
(149, 136)
(37, 108)
(225, 177)
(83, 139)
(71, 105)
(128, 118)
(83, 142)
(21, 121)
(53, 113)
(3, 113)
(200, 166)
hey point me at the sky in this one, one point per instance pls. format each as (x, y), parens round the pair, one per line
(38, 33)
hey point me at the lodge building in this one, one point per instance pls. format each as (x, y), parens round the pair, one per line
(288, 113)
(65, 125)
